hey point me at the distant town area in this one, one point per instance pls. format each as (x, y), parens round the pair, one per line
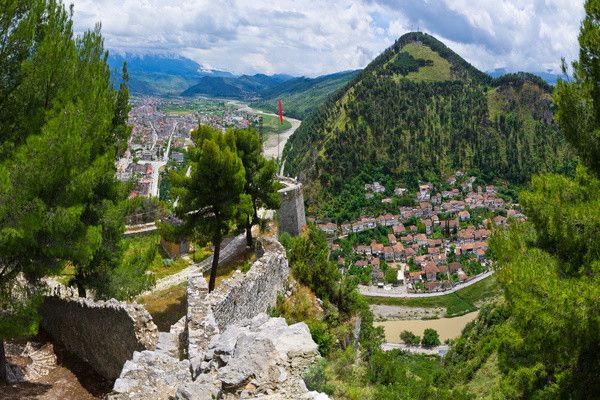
(161, 132)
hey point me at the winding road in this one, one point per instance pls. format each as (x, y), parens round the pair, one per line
(270, 147)
(378, 292)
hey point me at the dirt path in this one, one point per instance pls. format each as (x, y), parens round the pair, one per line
(47, 372)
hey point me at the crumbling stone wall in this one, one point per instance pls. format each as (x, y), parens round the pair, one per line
(105, 334)
(158, 374)
(239, 298)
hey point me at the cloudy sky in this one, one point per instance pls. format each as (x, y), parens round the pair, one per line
(313, 37)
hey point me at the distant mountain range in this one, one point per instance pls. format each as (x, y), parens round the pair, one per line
(173, 75)
(164, 75)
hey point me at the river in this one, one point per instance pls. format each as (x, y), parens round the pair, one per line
(274, 144)
(448, 328)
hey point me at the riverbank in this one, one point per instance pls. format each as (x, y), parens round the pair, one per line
(458, 303)
(447, 328)
(273, 146)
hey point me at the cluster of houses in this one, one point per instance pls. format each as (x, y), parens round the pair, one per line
(141, 174)
(423, 259)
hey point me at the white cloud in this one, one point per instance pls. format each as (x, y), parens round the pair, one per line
(312, 37)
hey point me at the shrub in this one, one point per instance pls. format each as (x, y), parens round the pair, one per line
(316, 379)
(430, 338)
(410, 338)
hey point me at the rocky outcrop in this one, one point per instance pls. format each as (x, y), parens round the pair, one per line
(105, 334)
(259, 356)
(151, 375)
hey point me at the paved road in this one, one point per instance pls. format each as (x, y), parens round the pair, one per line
(230, 250)
(438, 351)
(375, 291)
(270, 147)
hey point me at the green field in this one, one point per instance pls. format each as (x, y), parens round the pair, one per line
(458, 303)
(271, 125)
(183, 107)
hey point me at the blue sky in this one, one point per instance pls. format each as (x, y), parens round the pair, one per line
(309, 37)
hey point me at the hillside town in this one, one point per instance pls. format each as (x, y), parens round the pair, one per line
(161, 131)
(439, 243)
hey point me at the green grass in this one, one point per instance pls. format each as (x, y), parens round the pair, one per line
(158, 268)
(437, 72)
(271, 125)
(485, 383)
(458, 303)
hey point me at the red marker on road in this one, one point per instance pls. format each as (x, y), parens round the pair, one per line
(280, 112)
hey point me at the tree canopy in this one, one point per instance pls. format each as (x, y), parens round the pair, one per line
(211, 198)
(549, 266)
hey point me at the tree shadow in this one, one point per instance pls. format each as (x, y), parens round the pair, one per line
(23, 390)
(90, 380)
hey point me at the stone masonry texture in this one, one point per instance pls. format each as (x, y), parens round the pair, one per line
(105, 334)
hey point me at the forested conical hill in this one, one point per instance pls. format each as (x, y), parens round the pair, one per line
(418, 109)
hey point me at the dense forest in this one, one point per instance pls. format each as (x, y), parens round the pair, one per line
(420, 109)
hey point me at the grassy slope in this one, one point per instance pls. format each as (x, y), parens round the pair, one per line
(458, 303)
(439, 71)
(302, 100)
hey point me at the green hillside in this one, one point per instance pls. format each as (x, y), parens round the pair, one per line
(419, 110)
(302, 96)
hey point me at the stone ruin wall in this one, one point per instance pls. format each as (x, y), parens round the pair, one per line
(180, 355)
(292, 217)
(241, 297)
(105, 334)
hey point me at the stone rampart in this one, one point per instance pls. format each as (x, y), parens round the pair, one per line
(241, 297)
(105, 334)
(207, 340)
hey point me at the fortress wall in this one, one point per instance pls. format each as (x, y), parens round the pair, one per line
(292, 217)
(105, 334)
(240, 297)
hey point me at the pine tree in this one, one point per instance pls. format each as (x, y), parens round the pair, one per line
(549, 266)
(260, 177)
(59, 198)
(212, 197)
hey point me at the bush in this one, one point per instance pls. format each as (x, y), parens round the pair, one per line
(322, 336)
(430, 338)
(410, 338)
(316, 379)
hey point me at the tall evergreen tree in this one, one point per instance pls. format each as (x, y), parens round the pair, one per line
(549, 266)
(121, 130)
(58, 192)
(212, 196)
(260, 177)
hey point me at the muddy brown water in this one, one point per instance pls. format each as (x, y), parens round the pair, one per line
(448, 328)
